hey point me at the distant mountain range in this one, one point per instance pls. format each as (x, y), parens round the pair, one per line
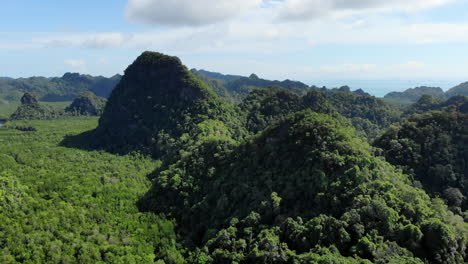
(414, 94)
(231, 87)
(236, 87)
(64, 88)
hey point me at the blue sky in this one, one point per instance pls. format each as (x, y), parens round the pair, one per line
(316, 41)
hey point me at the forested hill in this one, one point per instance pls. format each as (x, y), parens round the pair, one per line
(279, 178)
(432, 146)
(155, 103)
(413, 94)
(314, 176)
(235, 87)
(216, 75)
(64, 88)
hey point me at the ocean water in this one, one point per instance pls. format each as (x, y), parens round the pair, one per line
(380, 88)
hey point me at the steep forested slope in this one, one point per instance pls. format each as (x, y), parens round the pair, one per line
(433, 147)
(303, 185)
(368, 114)
(31, 109)
(87, 103)
(461, 89)
(156, 102)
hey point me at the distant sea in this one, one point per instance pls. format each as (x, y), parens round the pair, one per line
(380, 88)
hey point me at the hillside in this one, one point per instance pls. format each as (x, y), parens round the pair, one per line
(414, 94)
(156, 102)
(270, 176)
(64, 88)
(234, 87)
(87, 103)
(216, 75)
(461, 89)
(432, 147)
(367, 113)
(31, 109)
(304, 187)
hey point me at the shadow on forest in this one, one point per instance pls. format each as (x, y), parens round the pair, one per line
(84, 141)
(87, 141)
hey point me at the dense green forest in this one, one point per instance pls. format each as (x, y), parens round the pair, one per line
(432, 147)
(87, 103)
(63, 205)
(198, 167)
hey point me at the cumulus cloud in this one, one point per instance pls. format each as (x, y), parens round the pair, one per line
(186, 12)
(298, 10)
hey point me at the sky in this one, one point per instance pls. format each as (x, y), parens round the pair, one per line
(368, 43)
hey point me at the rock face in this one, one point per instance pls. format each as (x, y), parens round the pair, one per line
(158, 99)
(87, 103)
(28, 99)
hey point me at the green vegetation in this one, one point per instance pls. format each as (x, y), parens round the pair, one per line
(368, 114)
(461, 89)
(31, 109)
(234, 88)
(61, 205)
(433, 148)
(304, 185)
(249, 171)
(87, 103)
(65, 88)
(8, 108)
(158, 100)
(398, 102)
(414, 94)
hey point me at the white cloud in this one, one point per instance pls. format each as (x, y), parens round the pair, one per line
(77, 65)
(298, 10)
(85, 40)
(107, 40)
(259, 37)
(186, 12)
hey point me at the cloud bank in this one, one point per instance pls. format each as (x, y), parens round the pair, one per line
(186, 12)
(299, 10)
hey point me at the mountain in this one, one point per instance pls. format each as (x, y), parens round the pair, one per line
(31, 109)
(234, 87)
(413, 94)
(64, 88)
(156, 102)
(461, 89)
(87, 103)
(368, 114)
(245, 84)
(428, 103)
(216, 75)
(303, 188)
